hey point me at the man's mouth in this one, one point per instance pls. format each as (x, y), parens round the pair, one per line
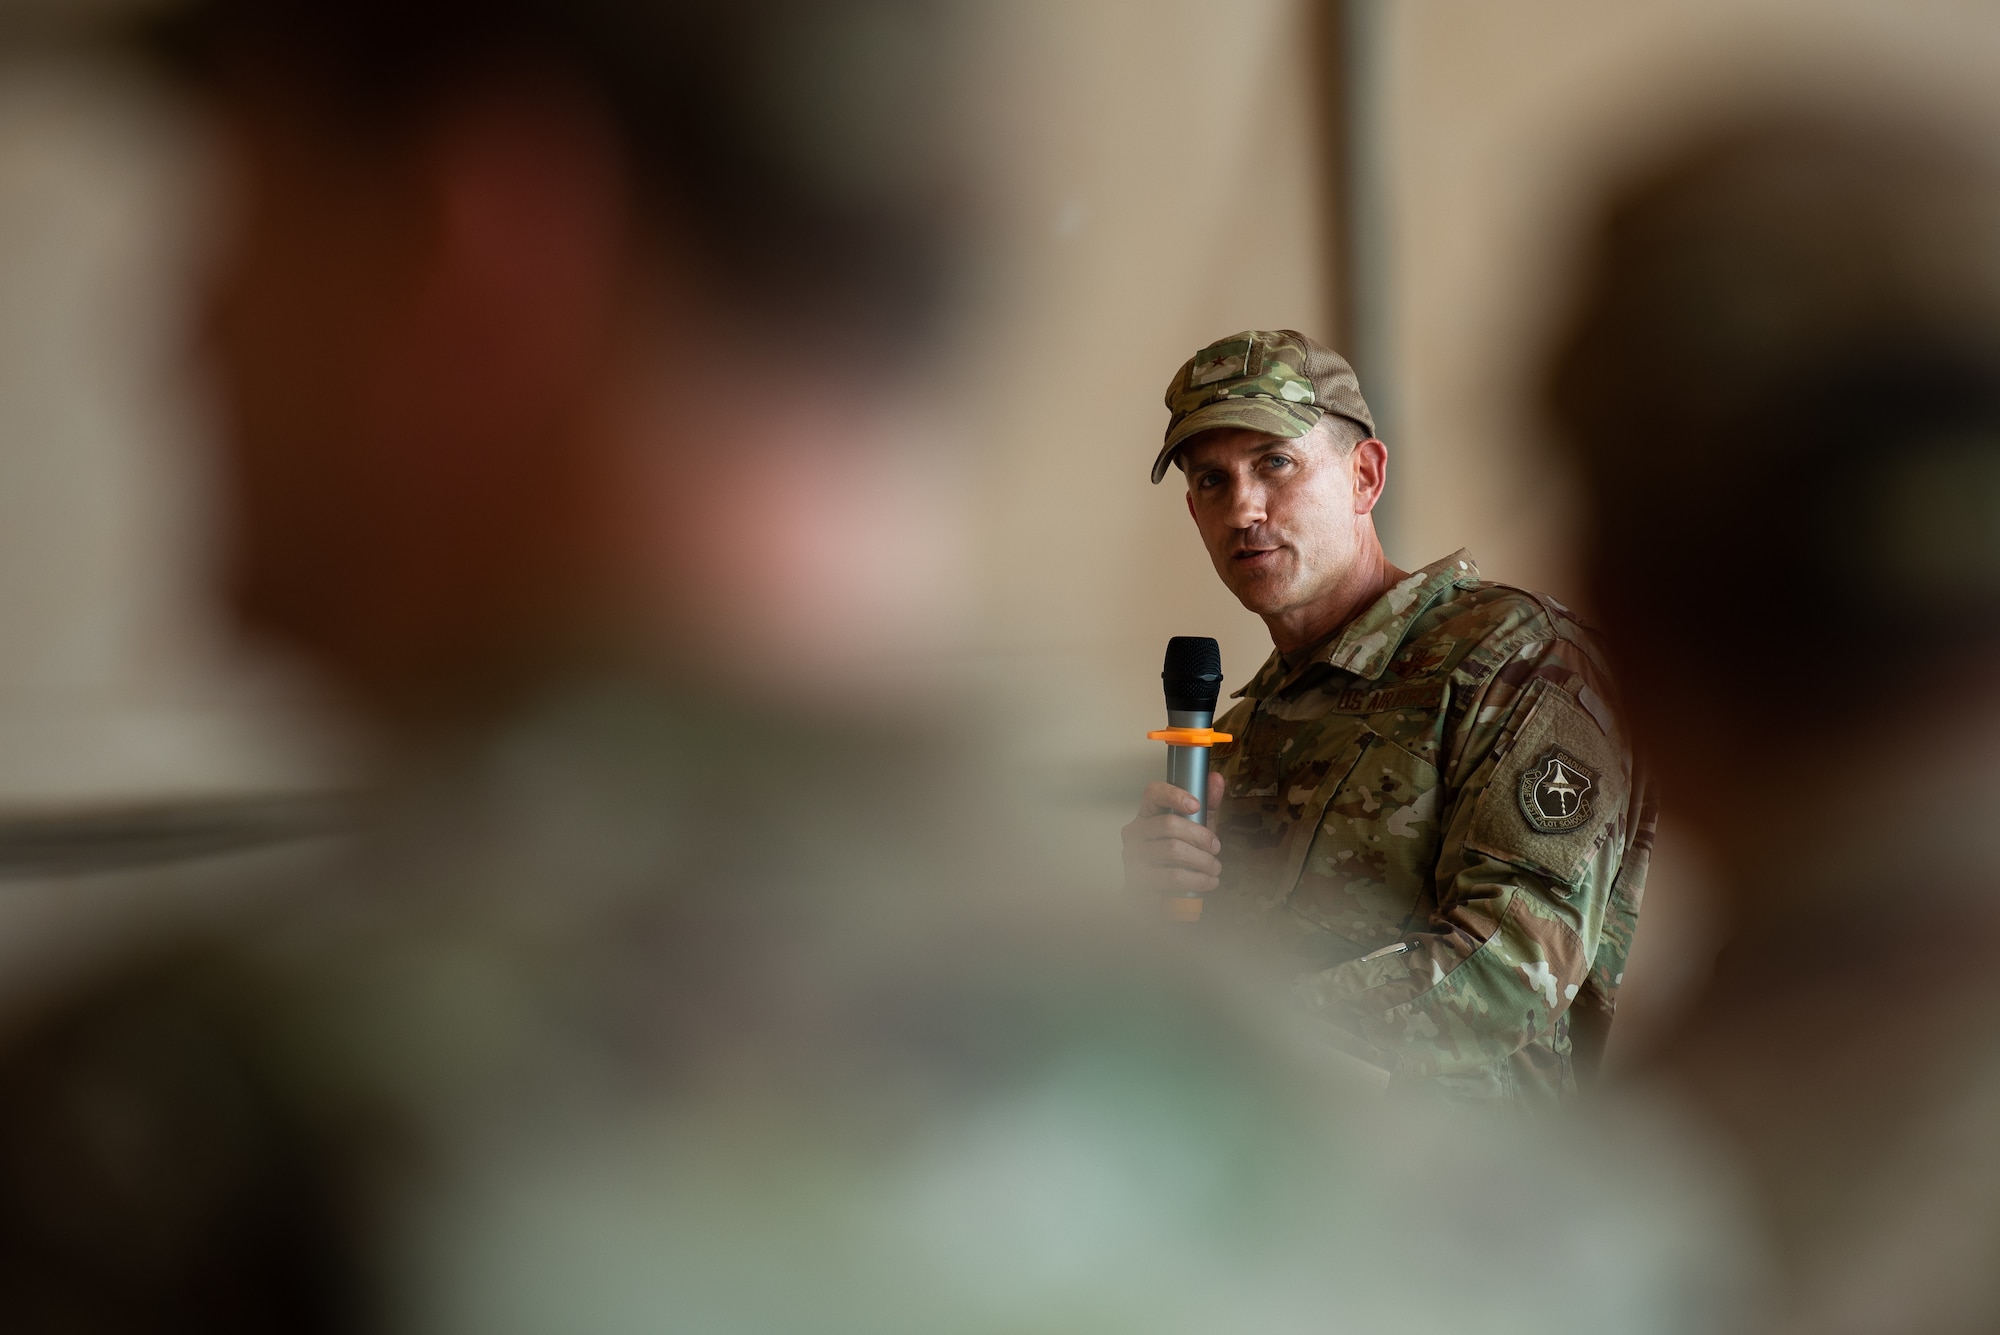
(1253, 557)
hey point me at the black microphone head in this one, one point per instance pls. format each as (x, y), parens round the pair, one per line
(1193, 674)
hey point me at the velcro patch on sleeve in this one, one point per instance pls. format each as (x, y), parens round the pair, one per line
(1559, 785)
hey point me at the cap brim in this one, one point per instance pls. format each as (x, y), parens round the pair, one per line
(1286, 420)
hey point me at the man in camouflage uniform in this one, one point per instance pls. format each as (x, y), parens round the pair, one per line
(1429, 819)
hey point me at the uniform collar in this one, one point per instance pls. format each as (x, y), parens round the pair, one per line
(1367, 643)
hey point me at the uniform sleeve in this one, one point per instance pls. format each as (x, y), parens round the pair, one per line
(1535, 833)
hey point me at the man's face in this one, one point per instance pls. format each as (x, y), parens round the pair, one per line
(466, 415)
(1282, 519)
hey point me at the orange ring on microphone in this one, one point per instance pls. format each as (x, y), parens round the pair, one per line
(1189, 736)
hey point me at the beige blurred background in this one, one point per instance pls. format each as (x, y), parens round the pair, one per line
(1408, 176)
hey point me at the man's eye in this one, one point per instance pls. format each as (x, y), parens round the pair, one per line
(1279, 460)
(1209, 481)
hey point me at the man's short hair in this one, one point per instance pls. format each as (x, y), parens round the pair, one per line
(798, 144)
(1344, 433)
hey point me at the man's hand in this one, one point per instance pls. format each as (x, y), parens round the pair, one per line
(1165, 852)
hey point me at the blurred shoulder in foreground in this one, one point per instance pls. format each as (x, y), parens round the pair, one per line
(603, 1032)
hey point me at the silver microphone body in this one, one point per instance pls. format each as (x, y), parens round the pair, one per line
(1187, 766)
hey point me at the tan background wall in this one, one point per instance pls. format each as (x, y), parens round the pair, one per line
(1159, 180)
(116, 682)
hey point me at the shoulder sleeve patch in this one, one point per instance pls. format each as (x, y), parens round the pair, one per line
(1556, 789)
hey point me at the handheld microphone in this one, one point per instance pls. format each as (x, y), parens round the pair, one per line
(1193, 680)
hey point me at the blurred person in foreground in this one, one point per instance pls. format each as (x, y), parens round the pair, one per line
(1783, 384)
(1428, 821)
(676, 987)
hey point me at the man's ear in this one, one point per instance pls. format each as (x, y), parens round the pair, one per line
(1189, 498)
(1370, 459)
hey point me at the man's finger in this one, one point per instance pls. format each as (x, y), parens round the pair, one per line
(1171, 854)
(1148, 828)
(1161, 797)
(1215, 787)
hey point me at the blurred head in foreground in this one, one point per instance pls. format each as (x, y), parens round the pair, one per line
(1783, 386)
(546, 330)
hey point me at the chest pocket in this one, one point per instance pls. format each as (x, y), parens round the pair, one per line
(1374, 848)
(1271, 808)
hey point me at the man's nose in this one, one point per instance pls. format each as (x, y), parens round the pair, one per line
(1247, 507)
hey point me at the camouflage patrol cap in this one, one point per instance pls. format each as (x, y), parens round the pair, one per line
(1273, 380)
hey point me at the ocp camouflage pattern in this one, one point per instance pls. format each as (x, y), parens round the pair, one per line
(1377, 847)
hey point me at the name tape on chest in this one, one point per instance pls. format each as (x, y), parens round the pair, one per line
(1417, 695)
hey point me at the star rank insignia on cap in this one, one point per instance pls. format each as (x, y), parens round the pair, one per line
(1555, 793)
(1231, 359)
